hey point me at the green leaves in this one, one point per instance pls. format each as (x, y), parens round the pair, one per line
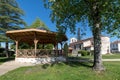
(38, 24)
(10, 16)
(66, 13)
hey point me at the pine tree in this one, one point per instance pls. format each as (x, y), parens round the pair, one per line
(38, 24)
(10, 19)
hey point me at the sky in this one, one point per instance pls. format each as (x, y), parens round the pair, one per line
(35, 9)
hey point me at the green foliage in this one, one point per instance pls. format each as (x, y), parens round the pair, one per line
(38, 24)
(10, 14)
(66, 13)
(83, 52)
(101, 15)
(24, 46)
(46, 46)
(49, 46)
(65, 49)
(92, 52)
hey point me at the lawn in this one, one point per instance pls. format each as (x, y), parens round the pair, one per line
(111, 56)
(64, 71)
(107, 56)
(4, 59)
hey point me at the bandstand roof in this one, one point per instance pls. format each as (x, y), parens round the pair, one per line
(29, 35)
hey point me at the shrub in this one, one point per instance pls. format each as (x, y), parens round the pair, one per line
(65, 49)
(83, 52)
(92, 52)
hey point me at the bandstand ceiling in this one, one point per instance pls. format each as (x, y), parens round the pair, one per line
(29, 35)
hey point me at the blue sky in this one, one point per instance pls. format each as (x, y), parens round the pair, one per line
(35, 8)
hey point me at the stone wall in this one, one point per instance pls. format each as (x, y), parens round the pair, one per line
(41, 60)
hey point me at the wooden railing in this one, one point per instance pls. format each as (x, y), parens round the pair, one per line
(30, 53)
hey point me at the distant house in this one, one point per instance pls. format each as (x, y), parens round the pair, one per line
(72, 40)
(115, 47)
(87, 44)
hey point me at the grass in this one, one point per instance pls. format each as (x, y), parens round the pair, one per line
(112, 56)
(5, 59)
(64, 71)
(107, 56)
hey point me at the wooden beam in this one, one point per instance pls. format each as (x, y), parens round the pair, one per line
(35, 43)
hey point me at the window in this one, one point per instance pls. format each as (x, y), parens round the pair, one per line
(74, 47)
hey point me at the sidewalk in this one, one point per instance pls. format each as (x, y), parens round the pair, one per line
(11, 65)
(91, 60)
(110, 59)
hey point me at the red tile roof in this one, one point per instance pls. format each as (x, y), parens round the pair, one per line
(115, 42)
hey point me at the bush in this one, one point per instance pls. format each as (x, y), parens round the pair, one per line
(83, 52)
(92, 52)
(2, 52)
(65, 49)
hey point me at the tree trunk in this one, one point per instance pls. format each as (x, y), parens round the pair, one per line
(98, 66)
(6, 49)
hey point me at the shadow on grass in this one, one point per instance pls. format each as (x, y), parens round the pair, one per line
(78, 64)
(45, 66)
(75, 62)
(72, 62)
(5, 59)
(78, 61)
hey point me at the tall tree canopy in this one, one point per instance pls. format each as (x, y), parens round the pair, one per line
(101, 15)
(10, 17)
(38, 24)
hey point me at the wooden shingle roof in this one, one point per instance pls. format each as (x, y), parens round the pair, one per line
(28, 36)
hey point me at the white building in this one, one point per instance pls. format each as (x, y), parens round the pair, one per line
(115, 46)
(72, 40)
(87, 44)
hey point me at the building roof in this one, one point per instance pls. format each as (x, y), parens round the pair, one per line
(81, 41)
(116, 42)
(28, 36)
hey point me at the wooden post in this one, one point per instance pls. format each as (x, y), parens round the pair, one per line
(16, 48)
(35, 43)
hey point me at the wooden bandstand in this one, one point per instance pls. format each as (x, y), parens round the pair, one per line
(35, 36)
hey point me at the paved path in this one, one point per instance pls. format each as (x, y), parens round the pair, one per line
(89, 60)
(11, 65)
(110, 59)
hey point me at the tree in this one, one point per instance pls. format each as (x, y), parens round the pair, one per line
(65, 49)
(38, 24)
(41, 25)
(101, 15)
(10, 14)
